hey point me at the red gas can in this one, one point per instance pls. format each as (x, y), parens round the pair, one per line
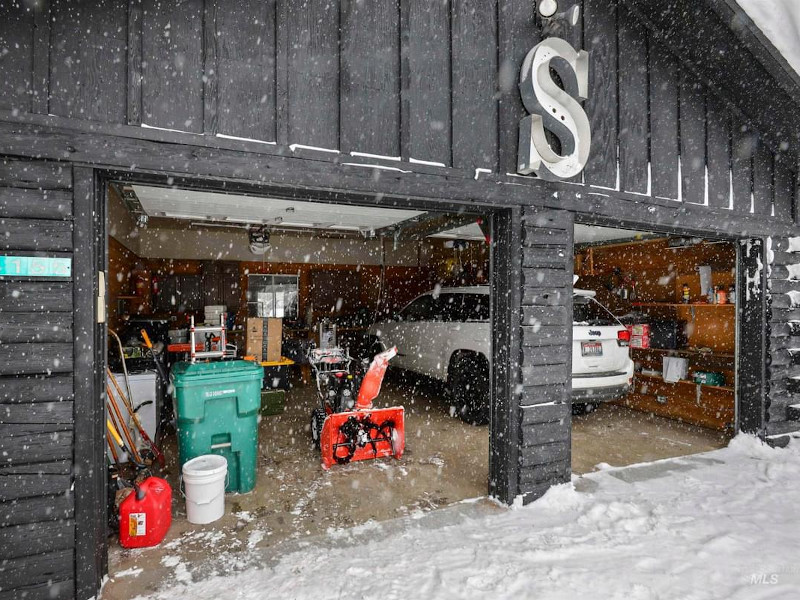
(146, 514)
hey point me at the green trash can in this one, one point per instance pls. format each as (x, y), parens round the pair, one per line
(216, 405)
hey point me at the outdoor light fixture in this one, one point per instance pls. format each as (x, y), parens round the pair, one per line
(547, 8)
(573, 14)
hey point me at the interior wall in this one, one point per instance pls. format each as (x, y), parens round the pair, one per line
(205, 243)
(385, 291)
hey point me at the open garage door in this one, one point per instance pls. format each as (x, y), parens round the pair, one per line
(286, 277)
(654, 346)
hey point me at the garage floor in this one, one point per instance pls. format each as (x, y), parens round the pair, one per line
(295, 502)
(618, 436)
(445, 461)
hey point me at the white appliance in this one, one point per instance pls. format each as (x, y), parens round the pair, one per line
(146, 403)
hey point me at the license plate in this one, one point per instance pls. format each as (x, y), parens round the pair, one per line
(591, 349)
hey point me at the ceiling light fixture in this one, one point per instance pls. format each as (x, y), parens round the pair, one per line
(259, 240)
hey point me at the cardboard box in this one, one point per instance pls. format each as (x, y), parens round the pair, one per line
(640, 329)
(254, 347)
(254, 338)
(641, 342)
(255, 326)
(273, 338)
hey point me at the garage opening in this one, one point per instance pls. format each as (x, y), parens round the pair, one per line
(654, 346)
(285, 277)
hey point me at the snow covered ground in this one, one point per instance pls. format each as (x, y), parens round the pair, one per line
(717, 525)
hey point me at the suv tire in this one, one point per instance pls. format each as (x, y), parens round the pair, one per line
(469, 385)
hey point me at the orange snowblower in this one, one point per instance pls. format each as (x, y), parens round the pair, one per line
(346, 427)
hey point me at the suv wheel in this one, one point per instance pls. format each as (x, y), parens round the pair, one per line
(583, 408)
(469, 385)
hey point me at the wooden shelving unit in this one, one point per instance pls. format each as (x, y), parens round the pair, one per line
(684, 382)
(688, 351)
(682, 305)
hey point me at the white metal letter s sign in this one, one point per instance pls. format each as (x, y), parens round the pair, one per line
(554, 109)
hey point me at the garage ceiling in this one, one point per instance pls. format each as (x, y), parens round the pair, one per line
(588, 234)
(191, 205)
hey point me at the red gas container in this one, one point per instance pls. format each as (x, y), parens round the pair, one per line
(146, 514)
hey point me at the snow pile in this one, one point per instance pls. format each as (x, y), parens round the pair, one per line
(717, 525)
(780, 22)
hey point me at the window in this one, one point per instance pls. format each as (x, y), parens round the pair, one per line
(421, 309)
(475, 307)
(272, 296)
(588, 311)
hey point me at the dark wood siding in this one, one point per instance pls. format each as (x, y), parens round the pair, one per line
(172, 71)
(244, 43)
(718, 149)
(311, 72)
(370, 77)
(16, 65)
(547, 267)
(431, 81)
(517, 34)
(634, 138)
(600, 35)
(36, 387)
(425, 68)
(693, 138)
(663, 121)
(783, 339)
(474, 31)
(88, 41)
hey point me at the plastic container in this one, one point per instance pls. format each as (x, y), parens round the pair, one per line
(204, 487)
(709, 378)
(145, 515)
(217, 406)
(272, 403)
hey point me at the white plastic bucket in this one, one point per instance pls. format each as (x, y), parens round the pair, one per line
(204, 479)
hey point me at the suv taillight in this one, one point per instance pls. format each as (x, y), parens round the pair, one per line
(624, 337)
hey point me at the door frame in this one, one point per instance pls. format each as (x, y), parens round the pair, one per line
(91, 258)
(751, 314)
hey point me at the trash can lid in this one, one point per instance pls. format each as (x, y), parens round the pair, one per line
(225, 369)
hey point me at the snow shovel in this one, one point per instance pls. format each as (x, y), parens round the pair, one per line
(139, 427)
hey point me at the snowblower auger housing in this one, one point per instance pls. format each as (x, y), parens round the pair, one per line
(352, 429)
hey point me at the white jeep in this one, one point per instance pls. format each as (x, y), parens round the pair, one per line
(446, 334)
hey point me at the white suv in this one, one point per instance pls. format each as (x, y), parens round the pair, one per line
(445, 334)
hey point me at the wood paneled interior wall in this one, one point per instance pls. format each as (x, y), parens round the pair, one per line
(428, 81)
(445, 266)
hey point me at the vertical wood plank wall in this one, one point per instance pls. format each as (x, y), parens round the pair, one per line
(429, 81)
(37, 506)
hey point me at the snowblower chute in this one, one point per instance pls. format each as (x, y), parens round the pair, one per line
(348, 429)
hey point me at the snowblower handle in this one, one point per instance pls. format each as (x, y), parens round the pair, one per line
(146, 339)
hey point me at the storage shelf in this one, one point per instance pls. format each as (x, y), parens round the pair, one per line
(685, 382)
(679, 304)
(127, 297)
(688, 351)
